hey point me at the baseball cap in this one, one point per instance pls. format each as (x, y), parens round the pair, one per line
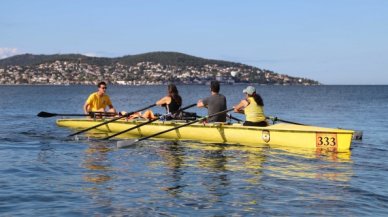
(249, 90)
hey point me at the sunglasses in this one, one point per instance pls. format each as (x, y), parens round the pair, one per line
(104, 88)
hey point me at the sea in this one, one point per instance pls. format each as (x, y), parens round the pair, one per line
(43, 172)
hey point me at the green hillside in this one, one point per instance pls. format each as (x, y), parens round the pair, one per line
(164, 58)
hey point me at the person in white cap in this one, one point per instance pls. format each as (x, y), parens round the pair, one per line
(253, 108)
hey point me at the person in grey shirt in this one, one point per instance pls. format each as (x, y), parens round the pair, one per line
(214, 103)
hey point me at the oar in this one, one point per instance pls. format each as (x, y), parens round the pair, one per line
(234, 118)
(228, 116)
(145, 123)
(174, 128)
(357, 135)
(274, 119)
(91, 114)
(111, 120)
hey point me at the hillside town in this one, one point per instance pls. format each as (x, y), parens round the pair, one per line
(142, 73)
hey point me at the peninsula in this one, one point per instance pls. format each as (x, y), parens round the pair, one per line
(153, 68)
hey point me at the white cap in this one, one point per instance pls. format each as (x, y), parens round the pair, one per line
(249, 90)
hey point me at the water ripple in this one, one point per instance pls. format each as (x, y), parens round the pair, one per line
(46, 173)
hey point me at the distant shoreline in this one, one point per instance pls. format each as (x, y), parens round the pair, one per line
(237, 84)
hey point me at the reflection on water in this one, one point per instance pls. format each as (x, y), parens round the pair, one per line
(215, 178)
(207, 176)
(97, 174)
(173, 158)
(97, 163)
(44, 173)
(307, 164)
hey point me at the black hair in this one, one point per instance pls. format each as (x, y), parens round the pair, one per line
(215, 86)
(101, 83)
(257, 98)
(174, 94)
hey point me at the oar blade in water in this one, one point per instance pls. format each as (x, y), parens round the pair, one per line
(357, 135)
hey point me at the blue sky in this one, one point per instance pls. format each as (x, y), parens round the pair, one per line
(332, 41)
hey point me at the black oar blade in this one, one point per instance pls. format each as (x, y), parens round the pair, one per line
(45, 114)
(357, 135)
(126, 143)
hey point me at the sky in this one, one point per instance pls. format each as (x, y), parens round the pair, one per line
(331, 41)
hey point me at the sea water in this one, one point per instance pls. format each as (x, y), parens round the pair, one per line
(45, 173)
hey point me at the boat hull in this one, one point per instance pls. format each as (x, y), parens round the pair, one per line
(290, 135)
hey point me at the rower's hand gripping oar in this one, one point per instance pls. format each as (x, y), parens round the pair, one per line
(91, 114)
(145, 123)
(174, 128)
(111, 120)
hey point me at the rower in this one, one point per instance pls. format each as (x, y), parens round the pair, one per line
(253, 108)
(98, 101)
(216, 102)
(172, 102)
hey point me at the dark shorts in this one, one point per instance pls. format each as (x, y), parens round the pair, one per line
(256, 124)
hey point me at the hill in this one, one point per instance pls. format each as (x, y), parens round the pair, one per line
(31, 59)
(172, 58)
(147, 68)
(164, 58)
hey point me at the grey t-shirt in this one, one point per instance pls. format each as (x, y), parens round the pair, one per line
(215, 103)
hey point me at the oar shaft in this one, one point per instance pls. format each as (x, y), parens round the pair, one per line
(78, 115)
(132, 128)
(114, 119)
(183, 125)
(189, 106)
(234, 118)
(274, 119)
(49, 115)
(148, 122)
(95, 126)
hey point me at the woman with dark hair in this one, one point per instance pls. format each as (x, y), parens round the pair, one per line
(253, 108)
(172, 102)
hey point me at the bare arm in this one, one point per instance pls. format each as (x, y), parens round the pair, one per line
(112, 109)
(200, 104)
(86, 108)
(239, 108)
(164, 100)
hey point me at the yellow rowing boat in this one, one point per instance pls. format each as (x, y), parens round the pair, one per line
(287, 135)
